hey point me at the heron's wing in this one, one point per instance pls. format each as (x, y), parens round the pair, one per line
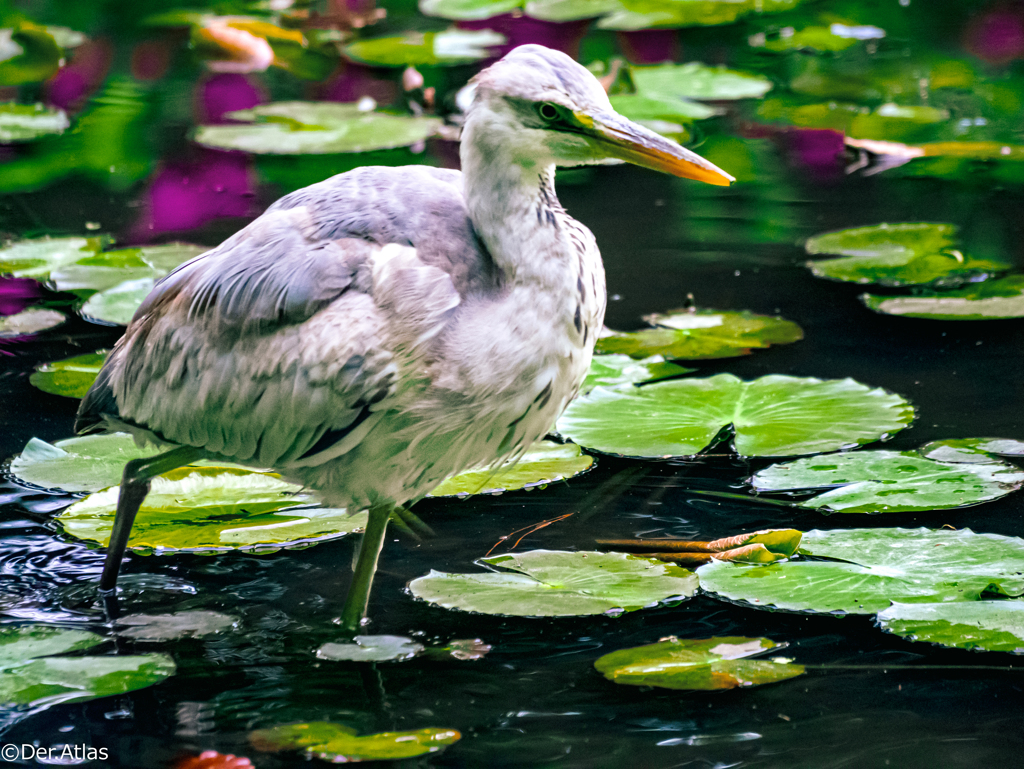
(285, 344)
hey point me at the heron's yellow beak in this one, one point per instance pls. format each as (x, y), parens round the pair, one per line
(623, 139)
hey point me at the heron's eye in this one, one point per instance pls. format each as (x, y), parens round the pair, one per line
(548, 112)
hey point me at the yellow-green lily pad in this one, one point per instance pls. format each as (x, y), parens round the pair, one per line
(543, 463)
(991, 300)
(995, 626)
(27, 122)
(340, 744)
(431, 49)
(71, 377)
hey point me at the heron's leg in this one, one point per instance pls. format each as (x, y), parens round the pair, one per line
(410, 519)
(359, 592)
(134, 487)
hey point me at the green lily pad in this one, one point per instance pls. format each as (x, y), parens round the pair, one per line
(468, 10)
(340, 744)
(48, 681)
(30, 321)
(703, 664)
(904, 254)
(87, 463)
(431, 49)
(824, 38)
(611, 370)
(697, 81)
(888, 121)
(772, 416)
(645, 14)
(545, 462)
(990, 300)
(117, 305)
(874, 568)
(702, 334)
(640, 107)
(213, 509)
(170, 627)
(971, 449)
(994, 626)
(18, 644)
(550, 583)
(371, 648)
(570, 10)
(70, 377)
(106, 269)
(891, 481)
(26, 122)
(28, 54)
(315, 128)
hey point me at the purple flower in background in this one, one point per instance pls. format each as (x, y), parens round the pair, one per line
(73, 83)
(520, 30)
(16, 294)
(226, 92)
(354, 81)
(997, 34)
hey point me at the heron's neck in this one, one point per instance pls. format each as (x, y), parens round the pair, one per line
(512, 203)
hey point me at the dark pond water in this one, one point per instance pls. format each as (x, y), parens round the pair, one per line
(868, 700)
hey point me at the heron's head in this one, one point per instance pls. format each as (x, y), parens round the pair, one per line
(545, 108)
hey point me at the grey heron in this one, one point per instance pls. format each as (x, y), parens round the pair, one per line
(372, 334)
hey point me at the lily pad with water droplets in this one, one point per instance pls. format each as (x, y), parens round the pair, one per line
(990, 300)
(772, 416)
(611, 370)
(371, 648)
(341, 744)
(550, 583)
(995, 626)
(702, 334)
(315, 128)
(903, 254)
(213, 509)
(30, 321)
(26, 122)
(70, 377)
(51, 681)
(891, 481)
(971, 449)
(170, 627)
(873, 568)
(702, 664)
(545, 462)
(430, 49)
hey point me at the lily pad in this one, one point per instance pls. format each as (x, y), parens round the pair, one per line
(26, 122)
(702, 334)
(371, 648)
(87, 463)
(995, 626)
(969, 449)
(432, 49)
(824, 38)
(698, 81)
(28, 54)
(48, 681)
(873, 568)
(30, 321)
(106, 269)
(117, 305)
(702, 664)
(891, 481)
(904, 254)
(775, 415)
(36, 258)
(545, 462)
(170, 627)
(611, 370)
(340, 744)
(641, 107)
(18, 644)
(315, 128)
(70, 377)
(468, 10)
(645, 14)
(990, 300)
(550, 583)
(887, 121)
(213, 509)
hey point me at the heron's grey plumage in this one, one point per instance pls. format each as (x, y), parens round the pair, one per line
(372, 334)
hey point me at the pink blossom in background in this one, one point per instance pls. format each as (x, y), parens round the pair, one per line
(997, 35)
(74, 82)
(520, 30)
(16, 294)
(649, 46)
(225, 92)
